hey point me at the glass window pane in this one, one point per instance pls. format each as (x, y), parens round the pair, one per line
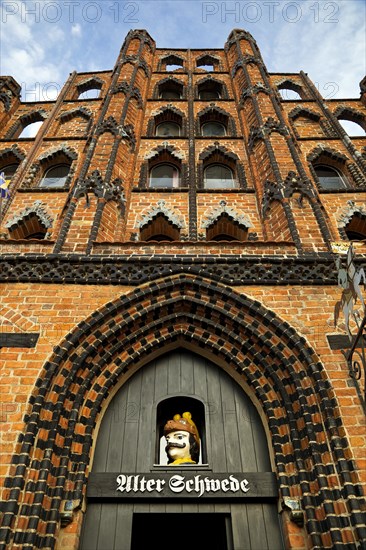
(213, 129)
(55, 176)
(168, 129)
(164, 175)
(329, 178)
(218, 176)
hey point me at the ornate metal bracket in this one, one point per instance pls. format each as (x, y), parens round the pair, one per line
(350, 280)
(356, 359)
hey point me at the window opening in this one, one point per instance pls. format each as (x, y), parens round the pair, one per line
(168, 129)
(208, 68)
(9, 172)
(170, 94)
(329, 177)
(213, 129)
(175, 415)
(31, 129)
(217, 176)
(209, 94)
(352, 128)
(287, 93)
(164, 175)
(55, 176)
(92, 93)
(173, 67)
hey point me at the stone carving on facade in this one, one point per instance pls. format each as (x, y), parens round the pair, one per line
(94, 183)
(37, 208)
(13, 151)
(90, 83)
(212, 215)
(174, 217)
(78, 111)
(322, 149)
(347, 212)
(165, 146)
(272, 192)
(52, 153)
(303, 111)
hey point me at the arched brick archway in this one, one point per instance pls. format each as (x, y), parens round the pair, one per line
(311, 454)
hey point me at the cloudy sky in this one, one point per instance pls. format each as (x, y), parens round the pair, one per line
(42, 41)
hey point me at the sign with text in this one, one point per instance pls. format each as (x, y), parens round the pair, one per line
(182, 485)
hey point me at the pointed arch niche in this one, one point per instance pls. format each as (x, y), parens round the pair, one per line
(275, 367)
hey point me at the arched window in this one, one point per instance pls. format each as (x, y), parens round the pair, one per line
(164, 175)
(9, 172)
(171, 63)
(93, 93)
(209, 94)
(207, 63)
(289, 89)
(213, 128)
(31, 130)
(170, 94)
(352, 128)
(167, 129)
(210, 89)
(329, 177)
(178, 407)
(55, 176)
(218, 176)
(287, 93)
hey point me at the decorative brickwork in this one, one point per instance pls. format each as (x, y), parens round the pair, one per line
(284, 374)
(228, 251)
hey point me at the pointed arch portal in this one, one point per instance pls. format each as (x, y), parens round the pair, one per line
(274, 365)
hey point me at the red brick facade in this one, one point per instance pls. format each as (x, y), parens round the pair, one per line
(252, 261)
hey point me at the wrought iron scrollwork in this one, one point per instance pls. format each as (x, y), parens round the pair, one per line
(351, 279)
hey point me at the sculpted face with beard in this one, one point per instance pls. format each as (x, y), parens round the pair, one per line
(183, 441)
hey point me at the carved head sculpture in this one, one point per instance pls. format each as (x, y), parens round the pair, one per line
(183, 441)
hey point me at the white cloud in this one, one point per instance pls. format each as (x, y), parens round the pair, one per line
(76, 30)
(37, 50)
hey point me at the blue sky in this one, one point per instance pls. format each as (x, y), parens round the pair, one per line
(43, 41)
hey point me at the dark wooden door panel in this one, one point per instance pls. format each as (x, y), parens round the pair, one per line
(236, 442)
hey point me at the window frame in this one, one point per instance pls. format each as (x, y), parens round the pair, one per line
(175, 184)
(341, 177)
(221, 165)
(54, 167)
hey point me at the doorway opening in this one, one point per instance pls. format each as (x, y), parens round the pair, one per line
(181, 531)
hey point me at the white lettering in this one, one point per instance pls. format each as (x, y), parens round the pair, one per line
(234, 484)
(176, 484)
(244, 485)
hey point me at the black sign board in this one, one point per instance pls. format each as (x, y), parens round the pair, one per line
(182, 485)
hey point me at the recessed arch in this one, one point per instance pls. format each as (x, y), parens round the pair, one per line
(234, 331)
(290, 90)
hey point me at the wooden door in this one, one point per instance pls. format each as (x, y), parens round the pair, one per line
(235, 441)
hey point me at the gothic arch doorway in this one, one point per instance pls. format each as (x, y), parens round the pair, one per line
(234, 441)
